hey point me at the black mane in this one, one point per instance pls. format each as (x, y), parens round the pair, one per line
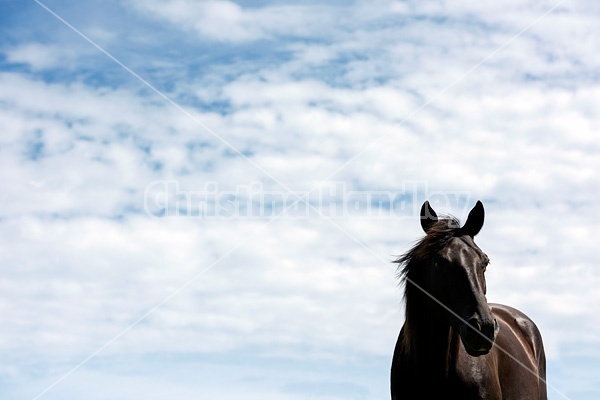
(410, 265)
(436, 238)
(411, 273)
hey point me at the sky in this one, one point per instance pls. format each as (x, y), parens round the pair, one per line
(202, 200)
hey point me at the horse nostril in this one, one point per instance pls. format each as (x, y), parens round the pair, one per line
(475, 324)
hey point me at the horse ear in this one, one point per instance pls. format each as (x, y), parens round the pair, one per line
(428, 216)
(474, 220)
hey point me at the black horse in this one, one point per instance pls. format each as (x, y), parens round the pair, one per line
(454, 345)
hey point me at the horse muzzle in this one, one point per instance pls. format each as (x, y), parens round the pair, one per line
(478, 335)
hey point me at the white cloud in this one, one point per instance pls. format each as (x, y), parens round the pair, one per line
(82, 262)
(41, 56)
(227, 21)
(38, 56)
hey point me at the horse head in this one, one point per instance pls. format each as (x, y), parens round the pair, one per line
(454, 276)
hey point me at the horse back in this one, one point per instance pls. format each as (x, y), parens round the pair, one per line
(520, 354)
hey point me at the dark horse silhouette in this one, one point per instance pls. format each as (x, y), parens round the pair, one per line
(453, 344)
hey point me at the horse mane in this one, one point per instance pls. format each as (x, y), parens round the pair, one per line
(411, 272)
(436, 238)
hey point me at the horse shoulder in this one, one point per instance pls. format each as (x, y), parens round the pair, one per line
(521, 323)
(520, 351)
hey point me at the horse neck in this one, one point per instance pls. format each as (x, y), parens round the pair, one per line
(428, 341)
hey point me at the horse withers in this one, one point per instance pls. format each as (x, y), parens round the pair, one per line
(454, 344)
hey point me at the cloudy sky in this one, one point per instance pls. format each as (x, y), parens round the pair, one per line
(202, 199)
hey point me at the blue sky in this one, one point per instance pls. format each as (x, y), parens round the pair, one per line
(102, 296)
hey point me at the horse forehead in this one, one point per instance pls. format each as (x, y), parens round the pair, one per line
(462, 246)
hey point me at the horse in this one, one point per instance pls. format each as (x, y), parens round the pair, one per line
(454, 344)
